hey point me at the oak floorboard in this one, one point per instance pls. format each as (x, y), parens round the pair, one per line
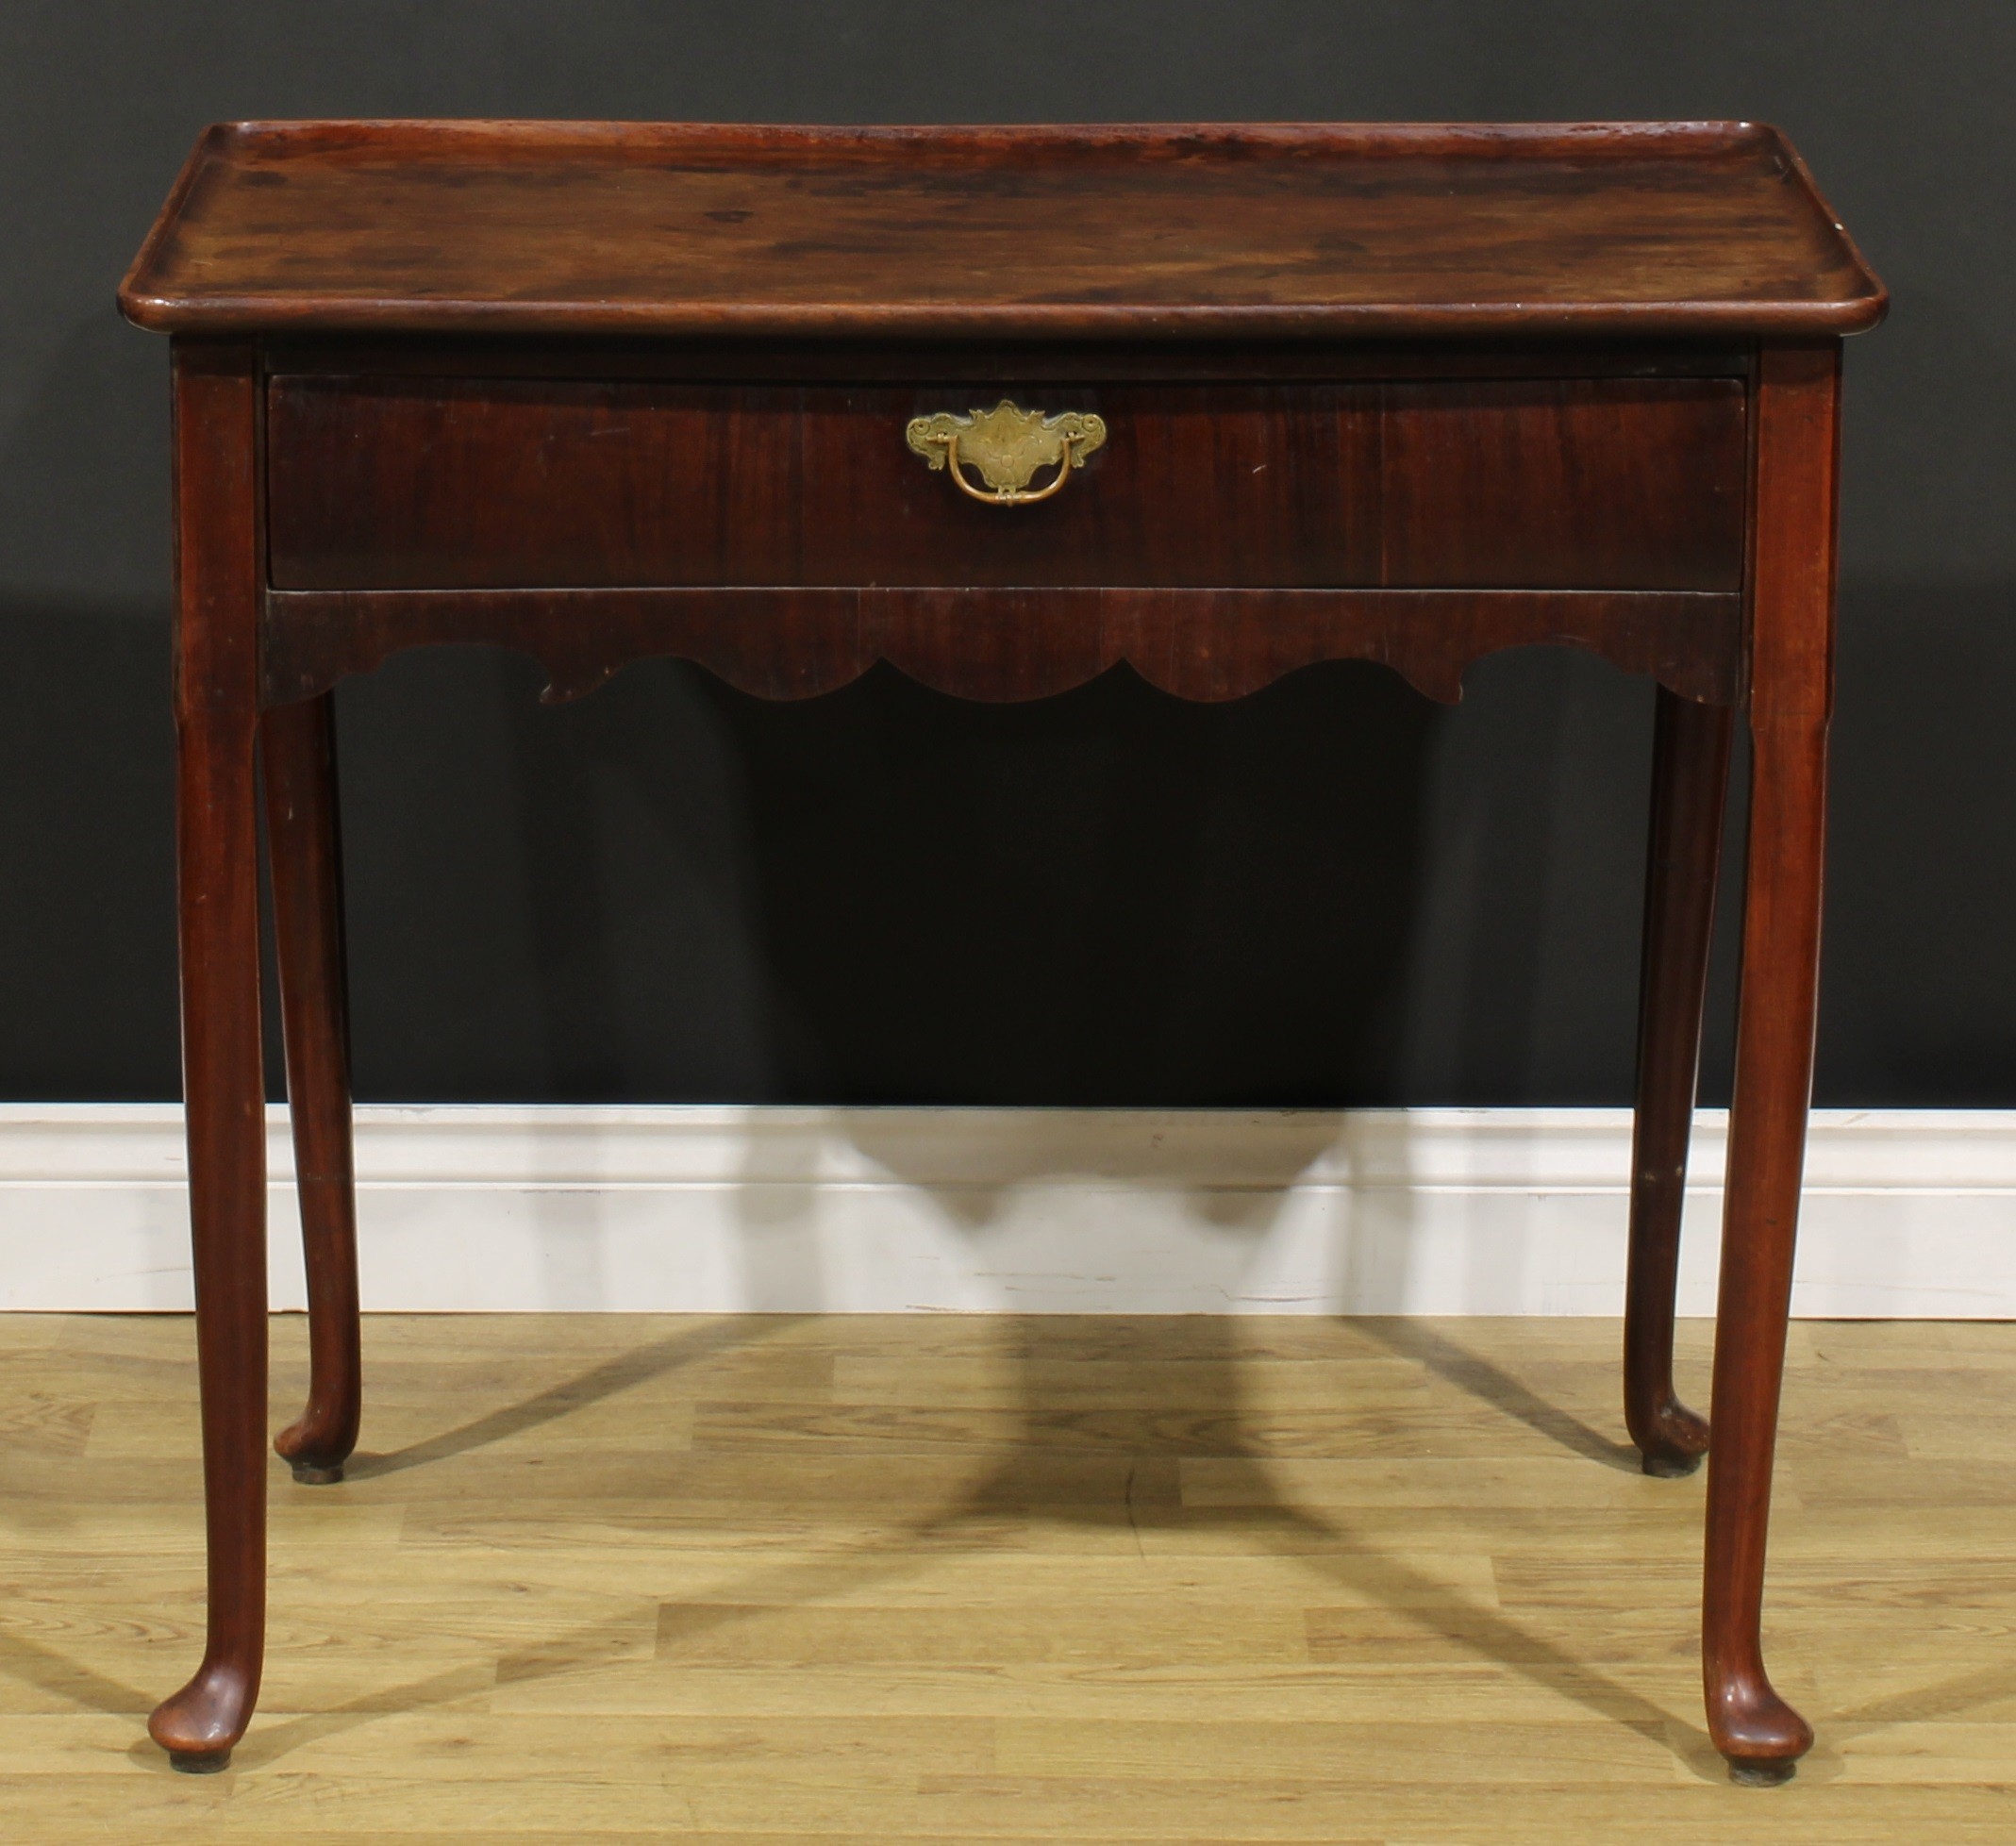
(916, 1579)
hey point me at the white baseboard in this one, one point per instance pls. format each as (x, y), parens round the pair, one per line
(1908, 1213)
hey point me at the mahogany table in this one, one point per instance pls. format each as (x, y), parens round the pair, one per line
(1004, 407)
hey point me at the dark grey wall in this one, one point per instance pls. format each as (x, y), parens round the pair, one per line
(1332, 892)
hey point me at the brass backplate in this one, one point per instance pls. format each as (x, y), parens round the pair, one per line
(1008, 444)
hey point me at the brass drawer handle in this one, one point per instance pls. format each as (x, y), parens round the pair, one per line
(1007, 446)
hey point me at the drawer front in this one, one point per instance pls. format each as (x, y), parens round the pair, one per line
(402, 482)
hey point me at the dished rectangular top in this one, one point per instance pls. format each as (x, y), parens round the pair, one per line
(532, 228)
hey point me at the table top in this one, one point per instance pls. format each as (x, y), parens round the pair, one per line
(1242, 232)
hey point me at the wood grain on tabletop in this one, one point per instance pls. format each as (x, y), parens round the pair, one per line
(544, 227)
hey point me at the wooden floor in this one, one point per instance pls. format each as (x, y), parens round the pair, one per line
(951, 1579)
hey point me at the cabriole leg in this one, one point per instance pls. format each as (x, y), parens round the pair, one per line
(1760, 1734)
(304, 847)
(1690, 781)
(1791, 697)
(217, 842)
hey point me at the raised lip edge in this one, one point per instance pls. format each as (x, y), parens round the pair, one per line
(182, 312)
(1874, 299)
